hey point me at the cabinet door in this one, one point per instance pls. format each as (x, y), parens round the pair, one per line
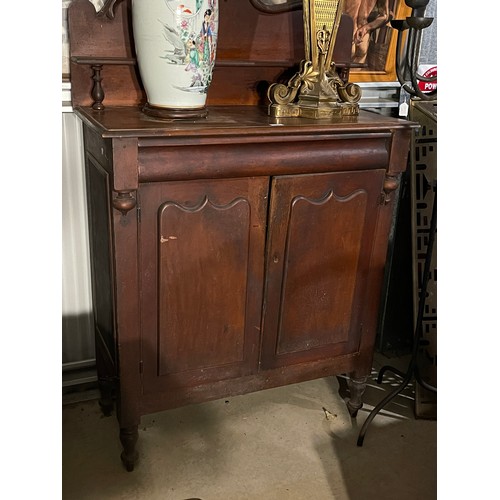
(321, 233)
(202, 261)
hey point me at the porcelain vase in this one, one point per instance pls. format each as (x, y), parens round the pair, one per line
(175, 43)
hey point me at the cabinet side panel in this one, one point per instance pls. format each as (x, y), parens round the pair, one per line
(322, 252)
(203, 263)
(98, 186)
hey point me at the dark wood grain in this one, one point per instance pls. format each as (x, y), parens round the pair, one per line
(318, 255)
(202, 301)
(252, 256)
(254, 50)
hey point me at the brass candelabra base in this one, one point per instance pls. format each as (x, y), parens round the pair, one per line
(314, 94)
(316, 91)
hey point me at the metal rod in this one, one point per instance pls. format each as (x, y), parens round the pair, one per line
(412, 371)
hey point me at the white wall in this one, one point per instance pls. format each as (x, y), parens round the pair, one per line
(77, 326)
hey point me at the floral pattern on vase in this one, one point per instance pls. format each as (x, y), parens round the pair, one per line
(176, 48)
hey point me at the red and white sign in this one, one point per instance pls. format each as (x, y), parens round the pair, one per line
(428, 71)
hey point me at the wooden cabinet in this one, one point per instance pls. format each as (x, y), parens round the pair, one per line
(235, 253)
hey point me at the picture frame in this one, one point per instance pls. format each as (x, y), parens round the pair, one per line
(377, 64)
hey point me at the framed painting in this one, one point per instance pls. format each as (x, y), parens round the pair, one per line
(374, 41)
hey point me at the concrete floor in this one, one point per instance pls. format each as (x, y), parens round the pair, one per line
(278, 444)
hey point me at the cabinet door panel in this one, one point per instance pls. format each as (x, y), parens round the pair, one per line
(320, 244)
(202, 247)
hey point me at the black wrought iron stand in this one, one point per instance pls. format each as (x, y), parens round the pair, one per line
(412, 371)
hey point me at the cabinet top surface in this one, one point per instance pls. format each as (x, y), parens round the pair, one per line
(130, 121)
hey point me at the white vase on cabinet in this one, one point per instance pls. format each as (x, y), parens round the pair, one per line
(175, 43)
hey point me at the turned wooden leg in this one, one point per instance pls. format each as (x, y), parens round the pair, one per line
(106, 388)
(357, 387)
(128, 438)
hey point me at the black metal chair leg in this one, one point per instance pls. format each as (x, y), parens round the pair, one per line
(388, 368)
(379, 407)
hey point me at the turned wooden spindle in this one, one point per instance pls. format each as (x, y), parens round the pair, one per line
(97, 90)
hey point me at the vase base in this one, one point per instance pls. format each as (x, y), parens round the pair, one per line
(174, 113)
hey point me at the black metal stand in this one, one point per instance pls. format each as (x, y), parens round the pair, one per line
(412, 371)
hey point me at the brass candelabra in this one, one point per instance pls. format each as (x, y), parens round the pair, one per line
(316, 90)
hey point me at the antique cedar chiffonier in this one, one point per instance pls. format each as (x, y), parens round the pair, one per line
(235, 252)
